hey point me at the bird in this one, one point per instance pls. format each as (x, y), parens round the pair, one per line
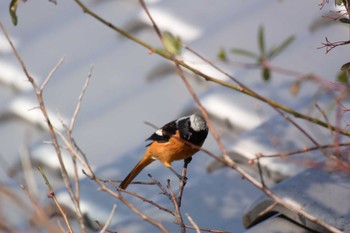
(176, 140)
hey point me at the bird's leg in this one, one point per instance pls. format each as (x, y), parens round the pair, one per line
(183, 182)
(187, 161)
(184, 169)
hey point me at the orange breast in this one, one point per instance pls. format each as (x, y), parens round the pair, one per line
(174, 149)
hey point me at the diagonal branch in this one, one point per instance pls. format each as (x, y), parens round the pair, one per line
(246, 91)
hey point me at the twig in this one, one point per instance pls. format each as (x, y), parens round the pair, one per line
(50, 75)
(117, 195)
(260, 172)
(183, 181)
(336, 142)
(344, 165)
(163, 190)
(28, 169)
(112, 181)
(159, 34)
(331, 45)
(80, 99)
(177, 211)
(206, 229)
(103, 187)
(195, 226)
(150, 124)
(109, 219)
(38, 92)
(205, 115)
(101, 226)
(40, 217)
(69, 140)
(148, 201)
(53, 197)
(69, 134)
(75, 165)
(306, 149)
(76, 180)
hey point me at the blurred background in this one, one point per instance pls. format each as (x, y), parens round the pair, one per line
(130, 86)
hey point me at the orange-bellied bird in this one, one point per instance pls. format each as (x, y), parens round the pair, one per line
(172, 142)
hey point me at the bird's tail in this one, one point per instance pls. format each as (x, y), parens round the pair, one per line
(146, 160)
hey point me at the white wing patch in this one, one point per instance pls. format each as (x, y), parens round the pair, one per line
(159, 132)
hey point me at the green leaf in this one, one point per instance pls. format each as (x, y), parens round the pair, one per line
(344, 74)
(245, 53)
(274, 51)
(171, 43)
(345, 66)
(13, 9)
(266, 74)
(343, 77)
(345, 20)
(222, 55)
(261, 40)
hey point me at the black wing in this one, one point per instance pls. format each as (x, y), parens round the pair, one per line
(164, 133)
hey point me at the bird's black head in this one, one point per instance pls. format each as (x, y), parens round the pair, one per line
(193, 128)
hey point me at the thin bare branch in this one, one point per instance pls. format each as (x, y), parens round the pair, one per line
(148, 201)
(80, 99)
(156, 28)
(195, 226)
(306, 149)
(40, 216)
(332, 45)
(51, 129)
(52, 72)
(183, 182)
(109, 219)
(205, 115)
(133, 208)
(53, 197)
(177, 211)
(262, 181)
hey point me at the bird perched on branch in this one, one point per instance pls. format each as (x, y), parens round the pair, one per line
(177, 140)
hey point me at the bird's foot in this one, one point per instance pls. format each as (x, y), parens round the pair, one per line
(182, 178)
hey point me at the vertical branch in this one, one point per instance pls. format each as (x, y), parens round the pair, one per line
(69, 134)
(177, 211)
(183, 181)
(262, 181)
